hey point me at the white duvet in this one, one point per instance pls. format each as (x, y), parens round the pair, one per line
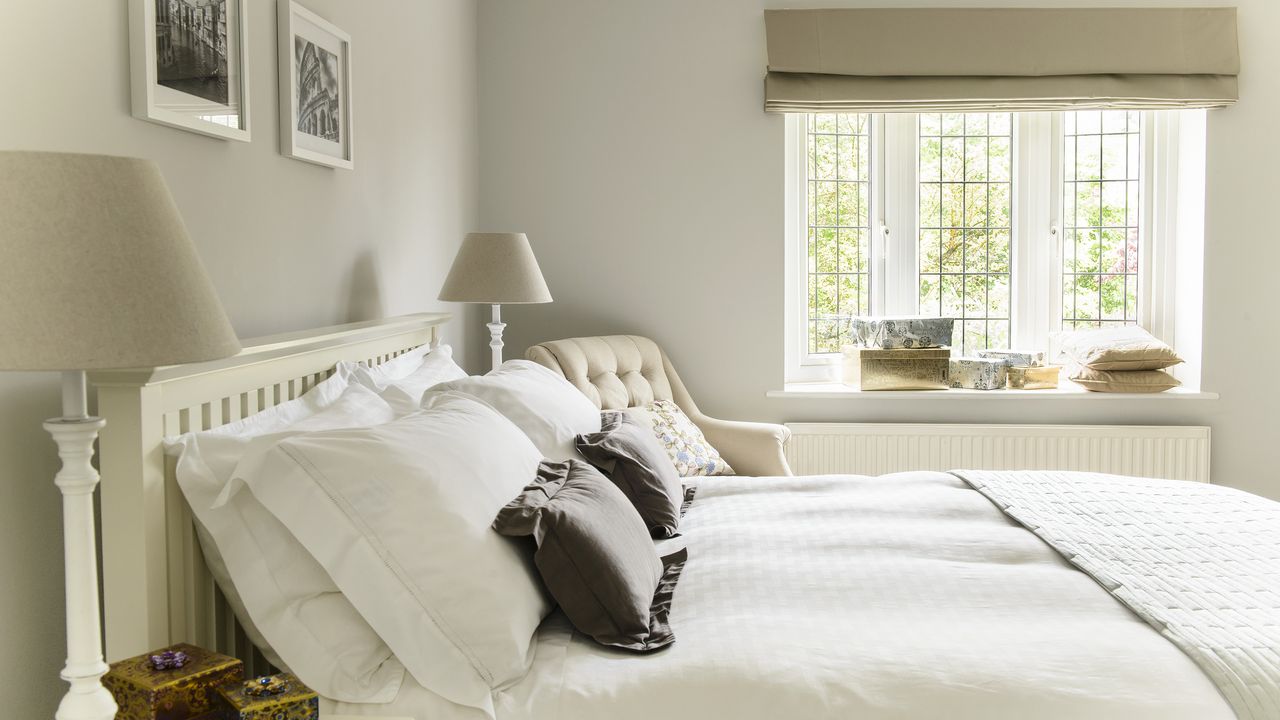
(902, 596)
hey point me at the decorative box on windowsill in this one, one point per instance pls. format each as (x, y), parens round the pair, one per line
(178, 683)
(901, 332)
(1019, 358)
(274, 697)
(874, 369)
(1034, 378)
(978, 373)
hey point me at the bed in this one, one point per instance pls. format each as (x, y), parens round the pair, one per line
(904, 596)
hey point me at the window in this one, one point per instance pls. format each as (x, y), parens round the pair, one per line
(965, 220)
(1101, 192)
(1016, 224)
(839, 225)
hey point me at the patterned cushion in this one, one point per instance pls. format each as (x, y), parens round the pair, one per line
(683, 441)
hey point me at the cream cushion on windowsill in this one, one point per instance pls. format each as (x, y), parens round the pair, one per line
(1119, 348)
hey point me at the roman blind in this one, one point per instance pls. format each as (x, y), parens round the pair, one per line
(982, 59)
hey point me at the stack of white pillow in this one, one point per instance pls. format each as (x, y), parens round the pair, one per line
(350, 528)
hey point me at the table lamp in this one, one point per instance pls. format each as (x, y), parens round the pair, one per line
(96, 272)
(495, 269)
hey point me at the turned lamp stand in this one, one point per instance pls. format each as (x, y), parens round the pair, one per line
(98, 274)
(75, 433)
(496, 326)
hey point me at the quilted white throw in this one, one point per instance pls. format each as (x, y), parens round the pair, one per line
(1200, 563)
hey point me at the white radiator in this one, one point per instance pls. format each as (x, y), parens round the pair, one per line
(1176, 453)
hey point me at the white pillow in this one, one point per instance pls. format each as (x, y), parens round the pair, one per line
(288, 605)
(399, 515)
(421, 363)
(404, 395)
(550, 410)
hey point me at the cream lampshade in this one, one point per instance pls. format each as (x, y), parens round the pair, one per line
(495, 269)
(96, 272)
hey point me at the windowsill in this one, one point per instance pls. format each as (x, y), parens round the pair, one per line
(1065, 391)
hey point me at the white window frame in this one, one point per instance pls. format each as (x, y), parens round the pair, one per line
(1036, 230)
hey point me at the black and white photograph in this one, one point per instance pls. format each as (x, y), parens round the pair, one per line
(317, 78)
(191, 47)
(189, 61)
(314, 58)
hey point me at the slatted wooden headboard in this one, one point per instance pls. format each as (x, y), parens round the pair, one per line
(156, 588)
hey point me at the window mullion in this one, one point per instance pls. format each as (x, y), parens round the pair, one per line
(900, 226)
(1036, 185)
(1158, 227)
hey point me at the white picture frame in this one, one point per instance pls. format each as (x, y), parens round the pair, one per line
(315, 63)
(189, 65)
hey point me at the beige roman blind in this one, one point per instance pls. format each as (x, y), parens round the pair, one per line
(936, 59)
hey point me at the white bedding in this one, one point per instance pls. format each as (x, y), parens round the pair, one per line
(1200, 563)
(903, 596)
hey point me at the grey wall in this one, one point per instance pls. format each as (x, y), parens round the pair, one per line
(628, 140)
(289, 245)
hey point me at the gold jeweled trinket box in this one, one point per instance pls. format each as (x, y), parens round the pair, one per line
(274, 697)
(176, 683)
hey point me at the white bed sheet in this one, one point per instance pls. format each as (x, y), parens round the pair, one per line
(902, 596)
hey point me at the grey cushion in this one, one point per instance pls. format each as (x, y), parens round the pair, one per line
(594, 554)
(631, 456)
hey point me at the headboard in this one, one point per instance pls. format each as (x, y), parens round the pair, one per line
(156, 588)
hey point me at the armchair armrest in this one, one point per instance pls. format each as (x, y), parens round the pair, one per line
(750, 448)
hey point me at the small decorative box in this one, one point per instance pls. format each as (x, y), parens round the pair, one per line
(274, 697)
(176, 683)
(924, 369)
(1021, 358)
(978, 373)
(893, 333)
(1033, 378)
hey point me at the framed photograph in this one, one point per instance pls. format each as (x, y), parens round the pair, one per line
(189, 62)
(315, 88)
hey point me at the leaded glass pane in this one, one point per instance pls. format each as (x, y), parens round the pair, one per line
(965, 211)
(1100, 209)
(839, 199)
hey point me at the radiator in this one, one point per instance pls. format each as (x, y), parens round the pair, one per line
(1177, 453)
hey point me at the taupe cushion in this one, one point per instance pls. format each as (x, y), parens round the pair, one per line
(1123, 381)
(631, 456)
(594, 554)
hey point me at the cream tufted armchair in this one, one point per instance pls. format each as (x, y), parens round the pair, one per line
(622, 371)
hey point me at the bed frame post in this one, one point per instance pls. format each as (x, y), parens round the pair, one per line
(134, 547)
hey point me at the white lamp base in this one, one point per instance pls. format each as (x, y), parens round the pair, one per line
(75, 433)
(495, 336)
